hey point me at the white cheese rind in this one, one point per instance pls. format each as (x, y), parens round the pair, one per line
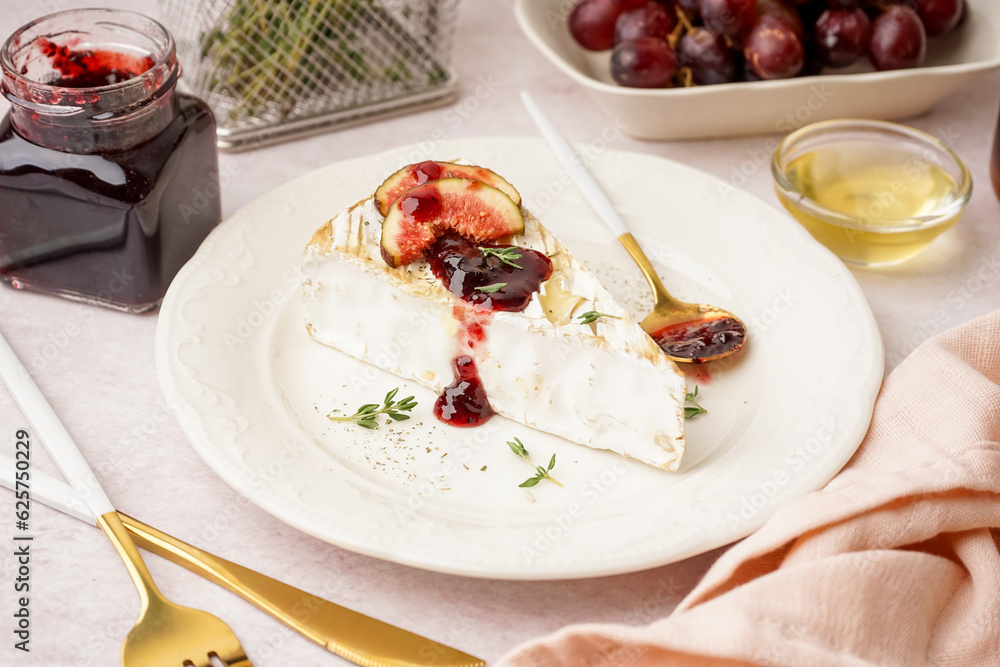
(605, 385)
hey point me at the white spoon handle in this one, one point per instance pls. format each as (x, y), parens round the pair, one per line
(590, 189)
(50, 431)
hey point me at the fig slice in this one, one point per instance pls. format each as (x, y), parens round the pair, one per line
(423, 172)
(422, 214)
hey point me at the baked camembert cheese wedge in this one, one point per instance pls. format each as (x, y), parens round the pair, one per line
(442, 279)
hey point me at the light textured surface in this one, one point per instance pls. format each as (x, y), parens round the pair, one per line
(96, 367)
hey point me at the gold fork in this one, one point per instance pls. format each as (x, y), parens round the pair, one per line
(165, 634)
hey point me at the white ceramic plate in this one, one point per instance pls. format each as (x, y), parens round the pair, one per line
(250, 388)
(770, 106)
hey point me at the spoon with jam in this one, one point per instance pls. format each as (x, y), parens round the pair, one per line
(686, 332)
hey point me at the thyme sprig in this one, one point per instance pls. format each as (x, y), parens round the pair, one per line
(505, 255)
(691, 411)
(540, 473)
(592, 316)
(490, 289)
(366, 416)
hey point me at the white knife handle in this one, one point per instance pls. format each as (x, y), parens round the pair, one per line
(590, 189)
(50, 431)
(47, 490)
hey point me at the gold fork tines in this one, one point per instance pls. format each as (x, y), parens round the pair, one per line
(167, 633)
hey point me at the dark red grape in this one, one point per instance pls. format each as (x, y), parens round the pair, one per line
(783, 11)
(626, 5)
(689, 5)
(842, 36)
(842, 4)
(727, 17)
(940, 16)
(592, 23)
(650, 20)
(645, 62)
(898, 39)
(773, 50)
(707, 56)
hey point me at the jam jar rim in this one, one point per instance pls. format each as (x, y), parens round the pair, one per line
(166, 66)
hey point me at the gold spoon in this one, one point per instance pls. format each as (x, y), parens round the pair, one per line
(686, 332)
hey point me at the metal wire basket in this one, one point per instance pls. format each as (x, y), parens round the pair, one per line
(277, 69)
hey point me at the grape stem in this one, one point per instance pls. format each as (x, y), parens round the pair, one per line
(683, 19)
(686, 77)
(682, 28)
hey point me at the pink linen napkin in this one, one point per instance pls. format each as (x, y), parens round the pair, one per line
(895, 562)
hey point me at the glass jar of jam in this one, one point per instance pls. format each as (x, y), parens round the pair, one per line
(109, 176)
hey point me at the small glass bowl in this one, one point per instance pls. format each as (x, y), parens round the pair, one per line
(904, 162)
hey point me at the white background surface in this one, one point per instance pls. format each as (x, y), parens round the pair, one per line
(96, 367)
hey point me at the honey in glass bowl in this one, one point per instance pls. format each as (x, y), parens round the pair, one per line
(874, 193)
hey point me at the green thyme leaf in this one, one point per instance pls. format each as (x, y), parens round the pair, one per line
(518, 448)
(366, 416)
(693, 410)
(541, 473)
(505, 255)
(490, 289)
(592, 316)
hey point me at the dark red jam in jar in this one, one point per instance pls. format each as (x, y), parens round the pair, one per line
(109, 177)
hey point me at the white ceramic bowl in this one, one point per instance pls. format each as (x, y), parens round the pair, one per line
(770, 106)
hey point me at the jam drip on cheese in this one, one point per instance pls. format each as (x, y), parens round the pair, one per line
(484, 283)
(463, 402)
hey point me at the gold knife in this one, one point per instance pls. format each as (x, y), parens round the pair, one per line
(351, 635)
